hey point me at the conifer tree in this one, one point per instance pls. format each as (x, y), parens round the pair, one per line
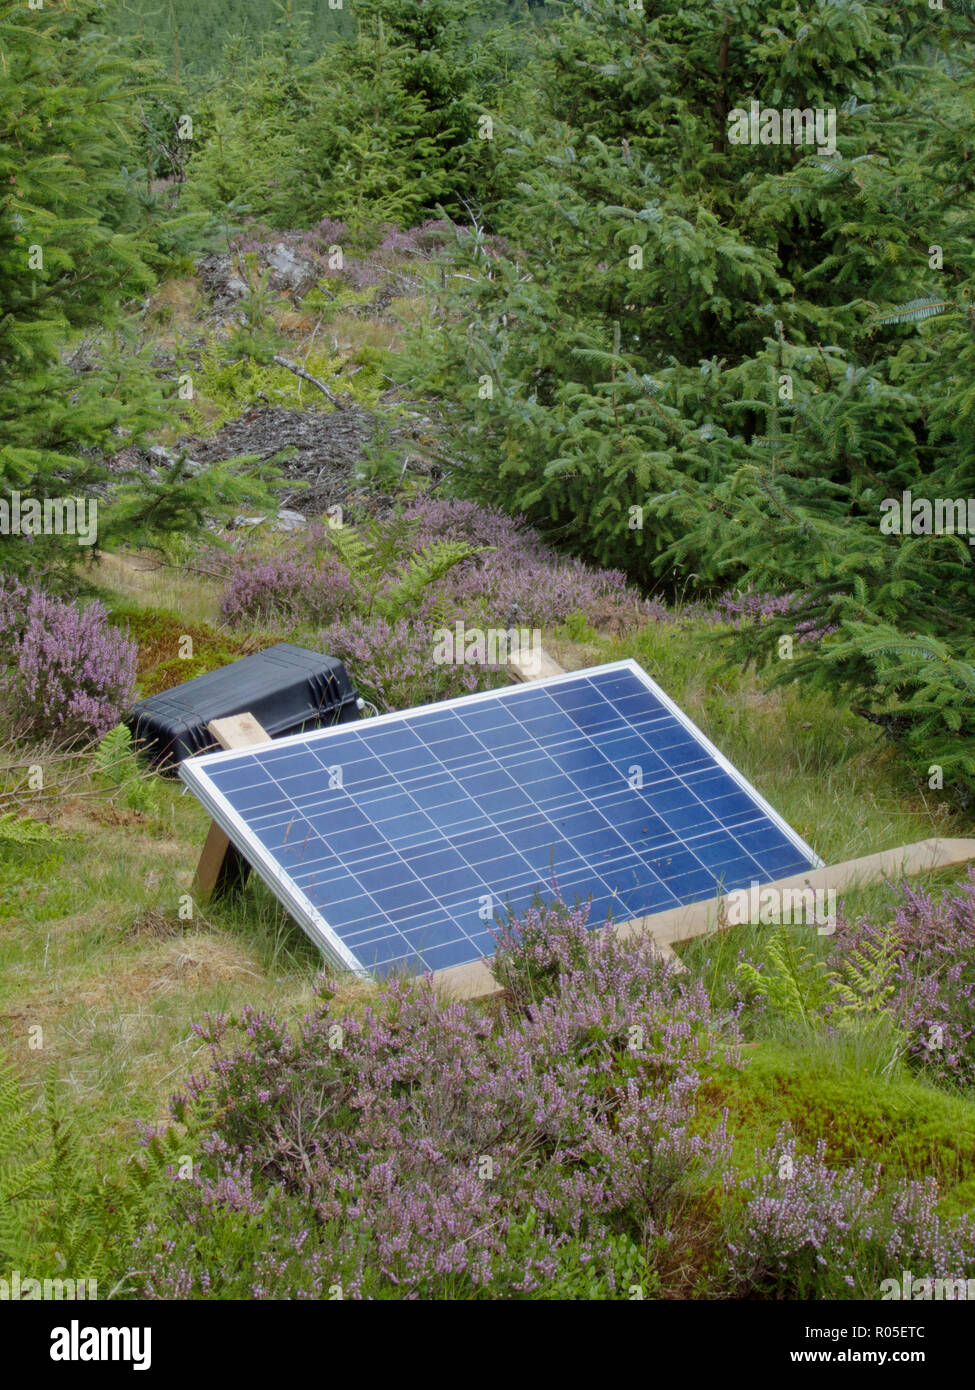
(717, 360)
(380, 127)
(67, 260)
(74, 249)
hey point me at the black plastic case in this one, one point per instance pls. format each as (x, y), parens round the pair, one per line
(286, 689)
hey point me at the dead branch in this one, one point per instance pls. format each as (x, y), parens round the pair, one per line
(312, 380)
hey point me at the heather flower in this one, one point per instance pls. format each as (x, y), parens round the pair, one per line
(516, 582)
(393, 664)
(314, 243)
(15, 601)
(281, 587)
(934, 977)
(445, 1150)
(429, 237)
(521, 571)
(809, 1231)
(535, 949)
(69, 672)
(223, 1246)
(739, 608)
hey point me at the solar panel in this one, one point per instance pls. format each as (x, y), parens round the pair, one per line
(400, 842)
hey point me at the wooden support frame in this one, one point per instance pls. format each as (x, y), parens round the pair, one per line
(222, 867)
(666, 929)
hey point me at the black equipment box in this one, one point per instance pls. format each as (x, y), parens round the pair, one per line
(286, 688)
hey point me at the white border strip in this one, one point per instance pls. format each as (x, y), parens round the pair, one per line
(194, 772)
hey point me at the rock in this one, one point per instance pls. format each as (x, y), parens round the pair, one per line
(220, 281)
(290, 270)
(286, 520)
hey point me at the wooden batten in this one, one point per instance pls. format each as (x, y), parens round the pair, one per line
(475, 981)
(238, 731)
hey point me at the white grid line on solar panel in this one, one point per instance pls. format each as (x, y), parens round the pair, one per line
(364, 789)
(516, 882)
(664, 841)
(593, 863)
(622, 669)
(459, 828)
(381, 926)
(735, 781)
(445, 905)
(656, 722)
(446, 908)
(597, 802)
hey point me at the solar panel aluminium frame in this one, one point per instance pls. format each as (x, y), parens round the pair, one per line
(194, 772)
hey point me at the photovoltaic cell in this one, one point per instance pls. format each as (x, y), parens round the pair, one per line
(399, 842)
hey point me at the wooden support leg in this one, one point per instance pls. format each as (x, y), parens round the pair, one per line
(222, 867)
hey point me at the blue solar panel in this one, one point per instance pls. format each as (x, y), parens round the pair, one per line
(402, 841)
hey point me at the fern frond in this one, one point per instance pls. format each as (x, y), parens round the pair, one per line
(865, 981)
(59, 1216)
(796, 984)
(22, 1175)
(114, 756)
(22, 830)
(353, 549)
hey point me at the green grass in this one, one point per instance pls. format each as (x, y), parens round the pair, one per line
(94, 951)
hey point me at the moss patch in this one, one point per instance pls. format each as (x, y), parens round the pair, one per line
(160, 637)
(907, 1127)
